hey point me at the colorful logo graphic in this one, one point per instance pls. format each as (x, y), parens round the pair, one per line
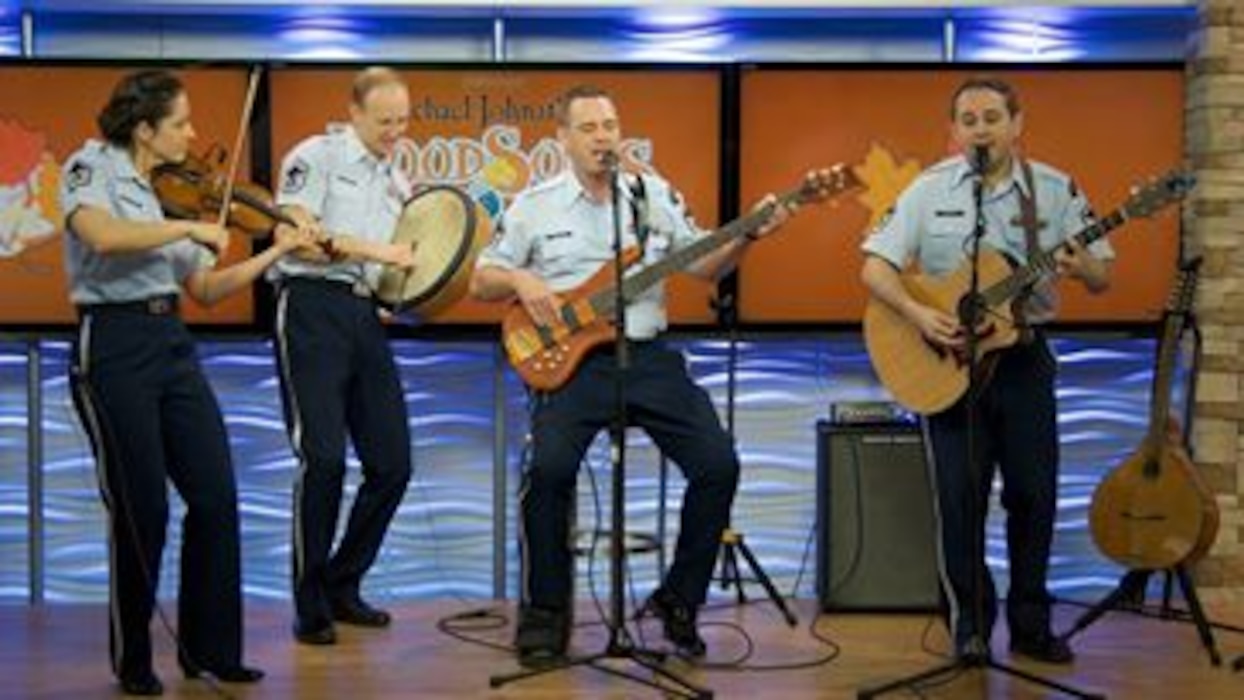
(29, 190)
(495, 167)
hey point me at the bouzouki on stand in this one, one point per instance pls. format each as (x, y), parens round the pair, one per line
(927, 378)
(1153, 512)
(546, 357)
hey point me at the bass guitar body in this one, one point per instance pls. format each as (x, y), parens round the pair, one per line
(545, 357)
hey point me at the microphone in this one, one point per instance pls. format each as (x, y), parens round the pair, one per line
(609, 160)
(978, 157)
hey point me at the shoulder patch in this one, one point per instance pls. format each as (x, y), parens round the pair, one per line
(498, 231)
(80, 174)
(680, 204)
(676, 198)
(1087, 215)
(296, 176)
(885, 219)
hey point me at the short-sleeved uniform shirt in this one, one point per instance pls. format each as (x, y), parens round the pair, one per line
(103, 176)
(558, 232)
(351, 191)
(932, 222)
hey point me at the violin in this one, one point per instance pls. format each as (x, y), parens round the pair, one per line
(193, 189)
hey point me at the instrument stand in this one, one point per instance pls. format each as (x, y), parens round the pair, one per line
(620, 645)
(1130, 592)
(976, 655)
(732, 545)
(732, 542)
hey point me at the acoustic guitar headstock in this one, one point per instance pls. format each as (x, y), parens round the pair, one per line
(1148, 199)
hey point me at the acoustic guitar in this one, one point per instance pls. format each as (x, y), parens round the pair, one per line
(1154, 511)
(927, 378)
(546, 357)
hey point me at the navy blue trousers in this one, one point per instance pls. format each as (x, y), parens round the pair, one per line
(1017, 434)
(679, 417)
(151, 416)
(338, 378)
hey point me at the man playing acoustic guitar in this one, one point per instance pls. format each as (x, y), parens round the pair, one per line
(552, 239)
(1026, 207)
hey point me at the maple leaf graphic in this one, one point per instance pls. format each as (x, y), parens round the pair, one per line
(884, 178)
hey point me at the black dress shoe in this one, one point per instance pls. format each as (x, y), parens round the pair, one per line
(542, 636)
(355, 611)
(973, 652)
(1046, 648)
(232, 674)
(322, 635)
(143, 684)
(678, 620)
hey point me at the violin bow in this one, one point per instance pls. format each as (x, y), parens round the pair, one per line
(235, 157)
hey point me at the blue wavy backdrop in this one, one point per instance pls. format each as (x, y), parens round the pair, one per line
(442, 543)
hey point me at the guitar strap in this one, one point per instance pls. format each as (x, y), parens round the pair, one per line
(1031, 224)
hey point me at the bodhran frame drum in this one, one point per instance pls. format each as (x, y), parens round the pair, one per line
(448, 229)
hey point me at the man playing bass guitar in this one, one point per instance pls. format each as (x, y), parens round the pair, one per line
(553, 238)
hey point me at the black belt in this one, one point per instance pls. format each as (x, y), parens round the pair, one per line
(163, 305)
(611, 348)
(358, 289)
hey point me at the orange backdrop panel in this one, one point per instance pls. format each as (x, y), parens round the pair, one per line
(493, 131)
(1109, 128)
(46, 115)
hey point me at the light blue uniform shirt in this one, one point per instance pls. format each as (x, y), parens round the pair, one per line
(103, 176)
(932, 223)
(335, 178)
(558, 232)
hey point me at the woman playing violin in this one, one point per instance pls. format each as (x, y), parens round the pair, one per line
(138, 386)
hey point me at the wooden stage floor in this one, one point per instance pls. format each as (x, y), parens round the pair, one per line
(60, 652)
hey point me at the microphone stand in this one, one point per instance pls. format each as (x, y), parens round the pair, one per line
(620, 644)
(971, 312)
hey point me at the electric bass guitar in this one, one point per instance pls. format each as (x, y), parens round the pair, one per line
(927, 378)
(546, 356)
(1154, 511)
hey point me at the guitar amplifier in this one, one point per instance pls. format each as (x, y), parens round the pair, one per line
(870, 413)
(876, 533)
